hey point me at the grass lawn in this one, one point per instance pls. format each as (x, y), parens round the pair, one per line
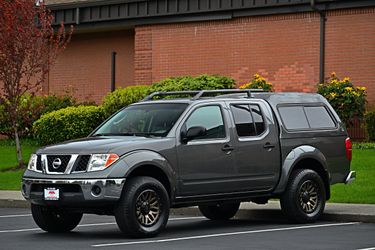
(11, 180)
(361, 191)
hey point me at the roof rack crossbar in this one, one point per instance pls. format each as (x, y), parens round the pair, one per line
(200, 93)
(192, 92)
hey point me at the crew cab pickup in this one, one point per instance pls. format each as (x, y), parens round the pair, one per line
(214, 149)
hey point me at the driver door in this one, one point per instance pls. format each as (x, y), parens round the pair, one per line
(205, 163)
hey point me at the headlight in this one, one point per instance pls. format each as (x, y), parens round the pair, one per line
(32, 162)
(101, 161)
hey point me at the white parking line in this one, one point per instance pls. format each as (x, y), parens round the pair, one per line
(91, 225)
(222, 234)
(371, 248)
(14, 215)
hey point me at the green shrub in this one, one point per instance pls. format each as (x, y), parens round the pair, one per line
(122, 97)
(370, 124)
(202, 82)
(30, 109)
(348, 101)
(258, 82)
(68, 123)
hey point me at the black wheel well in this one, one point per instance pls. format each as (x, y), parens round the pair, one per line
(310, 163)
(154, 172)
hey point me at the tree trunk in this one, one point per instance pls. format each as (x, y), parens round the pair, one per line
(18, 147)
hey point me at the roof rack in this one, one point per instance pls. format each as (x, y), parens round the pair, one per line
(201, 93)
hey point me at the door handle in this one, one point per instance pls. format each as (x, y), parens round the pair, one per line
(268, 145)
(227, 147)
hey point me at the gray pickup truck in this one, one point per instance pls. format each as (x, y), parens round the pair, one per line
(213, 149)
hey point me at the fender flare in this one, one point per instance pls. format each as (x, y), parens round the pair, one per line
(291, 161)
(135, 159)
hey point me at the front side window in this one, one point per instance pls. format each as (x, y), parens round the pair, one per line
(143, 120)
(209, 117)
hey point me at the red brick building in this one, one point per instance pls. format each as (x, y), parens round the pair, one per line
(293, 43)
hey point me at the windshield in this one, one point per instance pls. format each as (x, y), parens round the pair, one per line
(143, 120)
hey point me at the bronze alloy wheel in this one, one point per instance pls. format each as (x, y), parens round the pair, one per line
(148, 208)
(308, 196)
(304, 199)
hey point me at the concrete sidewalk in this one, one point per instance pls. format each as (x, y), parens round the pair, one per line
(333, 211)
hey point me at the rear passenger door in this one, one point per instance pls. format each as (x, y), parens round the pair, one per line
(256, 146)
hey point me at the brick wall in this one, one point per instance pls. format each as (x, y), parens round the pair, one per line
(350, 47)
(84, 68)
(283, 48)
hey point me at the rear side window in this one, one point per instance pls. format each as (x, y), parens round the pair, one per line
(294, 117)
(318, 117)
(306, 117)
(258, 119)
(248, 119)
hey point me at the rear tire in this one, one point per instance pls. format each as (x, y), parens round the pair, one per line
(219, 211)
(143, 208)
(304, 198)
(54, 220)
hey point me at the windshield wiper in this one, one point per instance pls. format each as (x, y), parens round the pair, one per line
(127, 134)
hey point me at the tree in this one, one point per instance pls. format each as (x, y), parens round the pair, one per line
(28, 47)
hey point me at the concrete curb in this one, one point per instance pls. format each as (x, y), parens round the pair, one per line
(277, 215)
(253, 212)
(9, 203)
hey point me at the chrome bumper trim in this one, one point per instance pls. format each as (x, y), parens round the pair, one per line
(351, 177)
(111, 188)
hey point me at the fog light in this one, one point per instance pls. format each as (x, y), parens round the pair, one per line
(96, 190)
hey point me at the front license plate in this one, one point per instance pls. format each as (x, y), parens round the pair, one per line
(51, 194)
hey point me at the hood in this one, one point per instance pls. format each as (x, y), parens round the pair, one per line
(103, 144)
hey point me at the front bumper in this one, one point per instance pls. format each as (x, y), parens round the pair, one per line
(350, 177)
(74, 192)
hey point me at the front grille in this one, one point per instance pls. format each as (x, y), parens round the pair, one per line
(81, 163)
(39, 163)
(53, 163)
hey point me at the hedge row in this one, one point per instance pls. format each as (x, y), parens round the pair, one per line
(30, 109)
(68, 123)
(370, 124)
(76, 122)
(123, 97)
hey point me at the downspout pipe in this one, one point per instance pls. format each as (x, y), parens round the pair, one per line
(113, 71)
(323, 19)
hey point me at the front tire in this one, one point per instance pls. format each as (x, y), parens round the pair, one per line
(54, 220)
(304, 198)
(143, 209)
(219, 211)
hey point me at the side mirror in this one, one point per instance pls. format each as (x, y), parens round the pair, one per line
(193, 133)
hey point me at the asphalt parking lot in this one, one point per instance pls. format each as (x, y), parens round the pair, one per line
(18, 231)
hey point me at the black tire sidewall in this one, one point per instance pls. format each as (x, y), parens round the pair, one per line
(314, 177)
(127, 210)
(45, 218)
(221, 212)
(290, 200)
